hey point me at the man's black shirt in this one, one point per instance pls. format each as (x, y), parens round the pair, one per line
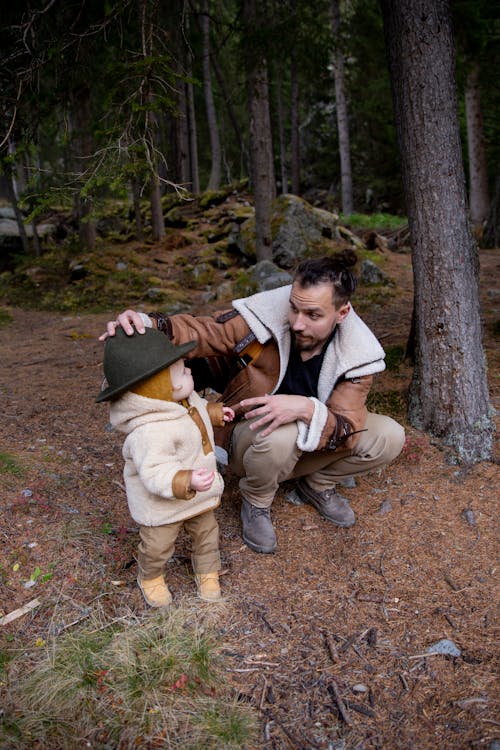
(301, 378)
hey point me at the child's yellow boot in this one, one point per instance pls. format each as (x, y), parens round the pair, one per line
(155, 591)
(208, 586)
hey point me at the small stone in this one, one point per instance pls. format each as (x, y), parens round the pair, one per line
(27, 493)
(468, 516)
(385, 508)
(349, 483)
(293, 498)
(444, 646)
(359, 688)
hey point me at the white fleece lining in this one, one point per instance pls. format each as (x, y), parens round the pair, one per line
(310, 435)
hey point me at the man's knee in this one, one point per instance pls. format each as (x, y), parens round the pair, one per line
(395, 439)
(280, 445)
(383, 438)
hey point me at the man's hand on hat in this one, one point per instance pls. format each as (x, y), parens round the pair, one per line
(128, 320)
(228, 414)
(201, 479)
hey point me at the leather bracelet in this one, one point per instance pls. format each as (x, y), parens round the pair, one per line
(163, 323)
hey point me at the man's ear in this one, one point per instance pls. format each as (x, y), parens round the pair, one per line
(344, 311)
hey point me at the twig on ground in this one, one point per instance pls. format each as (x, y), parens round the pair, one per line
(334, 692)
(360, 709)
(332, 649)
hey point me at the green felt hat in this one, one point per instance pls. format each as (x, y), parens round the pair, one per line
(129, 359)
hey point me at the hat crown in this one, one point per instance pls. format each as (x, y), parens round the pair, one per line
(129, 359)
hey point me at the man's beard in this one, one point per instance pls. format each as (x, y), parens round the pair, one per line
(305, 345)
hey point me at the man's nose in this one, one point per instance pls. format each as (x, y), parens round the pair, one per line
(299, 323)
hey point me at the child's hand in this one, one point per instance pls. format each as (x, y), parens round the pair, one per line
(201, 479)
(228, 413)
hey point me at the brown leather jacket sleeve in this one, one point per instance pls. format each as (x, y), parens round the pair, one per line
(212, 337)
(348, 400)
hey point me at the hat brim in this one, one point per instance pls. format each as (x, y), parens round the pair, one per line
(113, 392)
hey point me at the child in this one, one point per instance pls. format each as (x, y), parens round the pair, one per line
(170, 472)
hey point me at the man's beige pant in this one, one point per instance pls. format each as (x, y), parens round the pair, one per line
(264, 462)
(157, 545)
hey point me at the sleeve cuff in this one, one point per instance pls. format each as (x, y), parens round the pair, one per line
(310, 434)
(216, 413)
(181, 485)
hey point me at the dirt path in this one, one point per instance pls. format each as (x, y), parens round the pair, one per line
(335, 612)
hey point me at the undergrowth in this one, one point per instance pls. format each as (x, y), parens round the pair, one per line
(127, 683)
(373, 221)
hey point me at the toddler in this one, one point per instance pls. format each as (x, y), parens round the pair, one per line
(170, 472)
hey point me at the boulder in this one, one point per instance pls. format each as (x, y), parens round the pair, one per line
(370, 273)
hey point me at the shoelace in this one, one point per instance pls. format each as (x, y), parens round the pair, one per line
(259, 511)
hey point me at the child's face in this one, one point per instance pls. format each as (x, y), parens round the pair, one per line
(182, 380)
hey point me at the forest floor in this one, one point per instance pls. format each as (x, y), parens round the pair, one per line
(334, 613)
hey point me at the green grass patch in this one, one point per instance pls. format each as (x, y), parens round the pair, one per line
(394, 357)
(5, 317)
(154, 682)
(373, 221)
(392, 403)
(10, 465)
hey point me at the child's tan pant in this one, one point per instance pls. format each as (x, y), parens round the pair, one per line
(157, 545)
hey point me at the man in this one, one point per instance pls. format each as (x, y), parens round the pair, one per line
(307, 365)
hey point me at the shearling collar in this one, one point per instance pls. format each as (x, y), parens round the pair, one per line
(353, 352)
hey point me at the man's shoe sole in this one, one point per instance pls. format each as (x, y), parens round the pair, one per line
(256, 548)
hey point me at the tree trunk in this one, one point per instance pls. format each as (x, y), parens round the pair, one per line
(182, 136)
(261, 147)
(449, 392)
(281, 131)
(81, 111)
(294, 124)
(157, 220)
(342, 115)
(215, 147)
(193, 141)
(136, 197)
(478, 172)
(244, 160)
(11, 187)
(491, 236)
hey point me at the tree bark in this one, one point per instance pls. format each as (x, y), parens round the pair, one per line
(81, 115)
(294, 123)
(193, 141)
(449, 392)
(136, 197)
(281, 132)
(342, 115)
(214, 180)
(479, 199)
(11, 187)
(261, 147)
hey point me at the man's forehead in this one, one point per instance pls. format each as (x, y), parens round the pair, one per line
(319, 296)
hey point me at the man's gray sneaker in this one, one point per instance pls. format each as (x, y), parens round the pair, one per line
(258, 531)
(328, 503)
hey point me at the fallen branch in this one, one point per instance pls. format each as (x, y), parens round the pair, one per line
(20, 612)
